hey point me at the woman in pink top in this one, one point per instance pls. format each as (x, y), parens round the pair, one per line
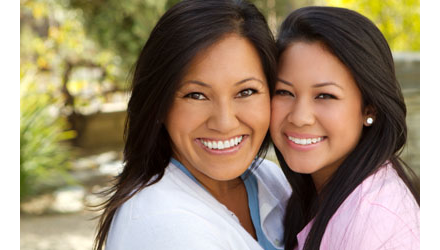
(338, 124)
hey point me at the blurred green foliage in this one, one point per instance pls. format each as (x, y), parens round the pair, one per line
(121, 26)
(44, 158)
(398, 20)
(55, 45)
(52, 37)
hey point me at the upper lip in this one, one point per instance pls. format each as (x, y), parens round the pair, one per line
(302, 136)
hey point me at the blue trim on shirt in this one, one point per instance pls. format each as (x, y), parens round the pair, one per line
(251, 184)
(252, 191)
(185, 170)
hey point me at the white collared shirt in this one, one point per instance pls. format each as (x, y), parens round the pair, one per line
(177, 213)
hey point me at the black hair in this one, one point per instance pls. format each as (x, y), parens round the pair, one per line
(362, 48)
(181, 33)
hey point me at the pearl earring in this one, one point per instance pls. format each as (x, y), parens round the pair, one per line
(370, 120)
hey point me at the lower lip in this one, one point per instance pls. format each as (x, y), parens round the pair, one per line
(227, 151)
(299, 147)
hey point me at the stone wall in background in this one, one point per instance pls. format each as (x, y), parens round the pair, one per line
(408, 74)
(103, 131)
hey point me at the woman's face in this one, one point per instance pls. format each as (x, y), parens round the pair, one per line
(317, 116)
(221, 111)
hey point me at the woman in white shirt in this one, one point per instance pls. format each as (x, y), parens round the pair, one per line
(196, 130)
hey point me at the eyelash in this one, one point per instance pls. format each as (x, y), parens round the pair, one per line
(192, 95)
(283, 92)
(201, 96)
(240, 94)
(326, 96)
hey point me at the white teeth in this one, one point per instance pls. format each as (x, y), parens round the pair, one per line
(222, 144)
(304, 141)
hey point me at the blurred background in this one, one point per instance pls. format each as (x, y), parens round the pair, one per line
(76, 59)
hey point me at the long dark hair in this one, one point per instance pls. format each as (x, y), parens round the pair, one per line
(182, 32)
(359, 44)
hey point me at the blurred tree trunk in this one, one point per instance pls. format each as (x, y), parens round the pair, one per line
(272, 16)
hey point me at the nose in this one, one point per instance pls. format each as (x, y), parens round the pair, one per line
(301, 113)
(223, 118)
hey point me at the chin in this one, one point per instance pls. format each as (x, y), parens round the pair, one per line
(225, 176)
(302, 170)
(225, 172)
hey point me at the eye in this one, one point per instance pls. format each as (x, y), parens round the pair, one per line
(196, 96)
(326, 96)
(283, 92)
(246, 92)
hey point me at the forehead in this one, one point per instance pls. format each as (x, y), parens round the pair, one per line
(312, 63)
(230, 59)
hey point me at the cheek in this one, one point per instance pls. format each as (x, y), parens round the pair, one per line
(279, 112)
(264, 113)
(256, 113)
(343, 122)
(182, 119)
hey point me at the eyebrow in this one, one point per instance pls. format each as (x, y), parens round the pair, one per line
(285, 82)
(323, 84)
(249, 79)
(237, 83)
(317, 85)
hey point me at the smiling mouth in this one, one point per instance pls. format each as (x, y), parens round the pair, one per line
(305, 141)
(222, 144)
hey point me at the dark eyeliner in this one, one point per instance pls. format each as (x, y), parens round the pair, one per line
(191, 96)
(283, 92)
(326, 96)
(254, 91)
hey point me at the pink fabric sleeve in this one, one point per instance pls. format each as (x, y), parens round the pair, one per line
(381, 213)
(387, 217)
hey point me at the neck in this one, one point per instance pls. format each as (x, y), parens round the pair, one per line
(231, 193)
(215, 187)
(219, 188)
(321, 176)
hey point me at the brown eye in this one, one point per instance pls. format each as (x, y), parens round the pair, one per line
(195, 96)
(246, 92)
(326, 96)
(283, 92)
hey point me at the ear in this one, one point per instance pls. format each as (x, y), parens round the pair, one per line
(369, 116)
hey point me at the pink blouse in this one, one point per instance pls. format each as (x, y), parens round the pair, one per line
(380, 213)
